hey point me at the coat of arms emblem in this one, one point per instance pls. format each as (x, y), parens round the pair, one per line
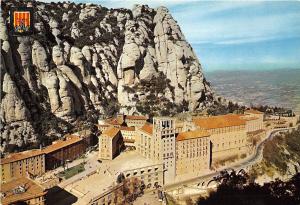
(21, 21)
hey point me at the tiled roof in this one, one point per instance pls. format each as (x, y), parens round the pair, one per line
(136, 117)
(250, 118)
(56, 145)
(220, 121)
(33, 190)
(148, 128)
(192, 135)
(114, 121)
(21, 155)
(127, 128)
(111, 132)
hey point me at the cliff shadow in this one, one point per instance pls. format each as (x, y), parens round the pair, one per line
(59, 196)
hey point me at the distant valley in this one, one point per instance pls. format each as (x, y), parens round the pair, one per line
(273, 87)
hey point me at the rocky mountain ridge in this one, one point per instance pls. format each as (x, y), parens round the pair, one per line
(84, 60)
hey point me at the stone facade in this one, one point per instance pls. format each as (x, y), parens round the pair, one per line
(152, 176)
(110, 143)
(193, 145)
(62, 151)
(109, 197)
(135, 121)
(192, 152)
(144, 140)
(36, 162)
(158, 143)
(129, 135)
(228, 134)
(22, 164)
(228, 145)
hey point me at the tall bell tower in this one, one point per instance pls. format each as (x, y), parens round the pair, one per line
(164, 149)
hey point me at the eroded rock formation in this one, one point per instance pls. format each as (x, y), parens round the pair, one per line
(84, 58)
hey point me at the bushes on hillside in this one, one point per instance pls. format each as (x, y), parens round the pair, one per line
(237, 189)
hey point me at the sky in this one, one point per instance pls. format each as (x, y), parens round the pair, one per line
(234, 35)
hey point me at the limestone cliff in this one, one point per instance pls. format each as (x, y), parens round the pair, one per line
(84, 60)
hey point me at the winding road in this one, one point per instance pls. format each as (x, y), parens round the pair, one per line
(241, 165)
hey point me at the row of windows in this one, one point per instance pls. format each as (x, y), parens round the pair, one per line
(168, 155)
(229, 143)
(194, 147)
(192, 155)
(199, 141)
(227, 129)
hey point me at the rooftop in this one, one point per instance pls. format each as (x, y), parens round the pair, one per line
(136, 117)
(148, 128)
(21, 155)
(127, 128)
(192, 135)
(32, 190)
(115, 121)
(56, 145)
(111, 132)
(249, 118)
(220, 121)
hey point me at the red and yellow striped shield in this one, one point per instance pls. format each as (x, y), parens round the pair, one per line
(21, 20)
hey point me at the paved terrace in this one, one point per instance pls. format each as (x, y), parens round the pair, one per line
(86, 187)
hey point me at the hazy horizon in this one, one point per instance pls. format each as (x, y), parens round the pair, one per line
(265, 87)
(248, 70)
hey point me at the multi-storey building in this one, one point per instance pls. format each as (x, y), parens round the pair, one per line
(89, 137)
(164, 145)
(193, 152)
(135, 120)
(22, 191)
(157, 142)
(36, 162)
(123, 120)
(27, 163)
(254, 120)
(128, 134)
(191, 145)
(255, 113)
(227, 134)
(110, 143)
(143, 141)
(62, 151)
(103, 127)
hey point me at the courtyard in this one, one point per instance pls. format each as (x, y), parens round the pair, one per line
(104, 177)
